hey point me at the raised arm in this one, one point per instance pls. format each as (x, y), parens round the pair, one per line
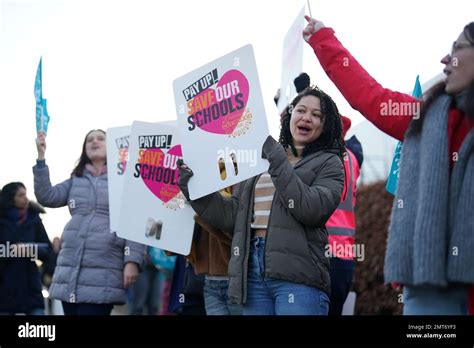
(389, 111)
(46, 194)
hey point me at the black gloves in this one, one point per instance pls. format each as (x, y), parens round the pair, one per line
(185, 174)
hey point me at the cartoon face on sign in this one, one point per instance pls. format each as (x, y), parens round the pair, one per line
(218, 106)
(157, 167)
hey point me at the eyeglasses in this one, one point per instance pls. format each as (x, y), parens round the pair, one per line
(457, 46)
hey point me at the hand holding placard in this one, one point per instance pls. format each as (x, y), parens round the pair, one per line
(185, 173)
(312, 27)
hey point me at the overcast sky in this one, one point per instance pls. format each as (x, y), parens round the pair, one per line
(107, 63)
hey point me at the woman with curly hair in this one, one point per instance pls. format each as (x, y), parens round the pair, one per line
(278, 264)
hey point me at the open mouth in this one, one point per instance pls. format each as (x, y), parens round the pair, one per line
(303, 130)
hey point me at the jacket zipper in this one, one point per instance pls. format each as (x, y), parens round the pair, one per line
(297, 165)
(247, 243)
(94, 183)
(268, 234)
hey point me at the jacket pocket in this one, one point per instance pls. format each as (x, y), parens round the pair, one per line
(317, 247)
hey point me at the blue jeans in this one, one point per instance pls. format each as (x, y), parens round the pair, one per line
(435, 301)
(268, 296)
(216, 300)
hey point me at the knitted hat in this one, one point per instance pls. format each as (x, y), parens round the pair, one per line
(346, 124)
(301, 82)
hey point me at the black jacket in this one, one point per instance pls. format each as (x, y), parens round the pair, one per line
(20, 283)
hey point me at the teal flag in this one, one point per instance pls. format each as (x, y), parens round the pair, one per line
(395, 168)
(42, 117)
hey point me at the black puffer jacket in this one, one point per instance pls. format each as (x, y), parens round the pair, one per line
(20, 284)
(306, 196)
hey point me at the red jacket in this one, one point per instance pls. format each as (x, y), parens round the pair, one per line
(367, 96)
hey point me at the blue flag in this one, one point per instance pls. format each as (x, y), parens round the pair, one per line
(42, 117)
(395, 168)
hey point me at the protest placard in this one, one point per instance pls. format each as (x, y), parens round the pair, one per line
(221, 119)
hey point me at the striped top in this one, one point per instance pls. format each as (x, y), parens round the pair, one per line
(264, 192)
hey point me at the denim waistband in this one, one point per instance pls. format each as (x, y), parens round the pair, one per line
(257, 241)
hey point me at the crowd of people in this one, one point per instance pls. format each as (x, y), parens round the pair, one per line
(261, 246)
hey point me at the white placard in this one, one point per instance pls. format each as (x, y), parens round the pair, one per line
(292, 61)
(117, 155)
(154, 210)
(221, 117)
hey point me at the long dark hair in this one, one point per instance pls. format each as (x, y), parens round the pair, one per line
(83, 160)
(434, 92)
(7, 196)
(331, 136)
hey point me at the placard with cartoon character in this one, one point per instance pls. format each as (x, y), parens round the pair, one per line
(222, 121)
(154, 210)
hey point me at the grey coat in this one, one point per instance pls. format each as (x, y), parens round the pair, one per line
(306, 196)
(91, 260)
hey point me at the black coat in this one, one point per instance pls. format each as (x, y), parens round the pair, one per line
(20, 284)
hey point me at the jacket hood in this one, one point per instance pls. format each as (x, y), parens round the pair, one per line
(35, 207)
(346, 125)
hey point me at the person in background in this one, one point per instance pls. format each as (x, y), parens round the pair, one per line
(50, 263)
(186, 293)
(24, 238)
(210, 255)
(341, 227)
(430, 242)
(301, 82)
(47, 270)
(143, 296)
(165, 265)
(94, 266)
